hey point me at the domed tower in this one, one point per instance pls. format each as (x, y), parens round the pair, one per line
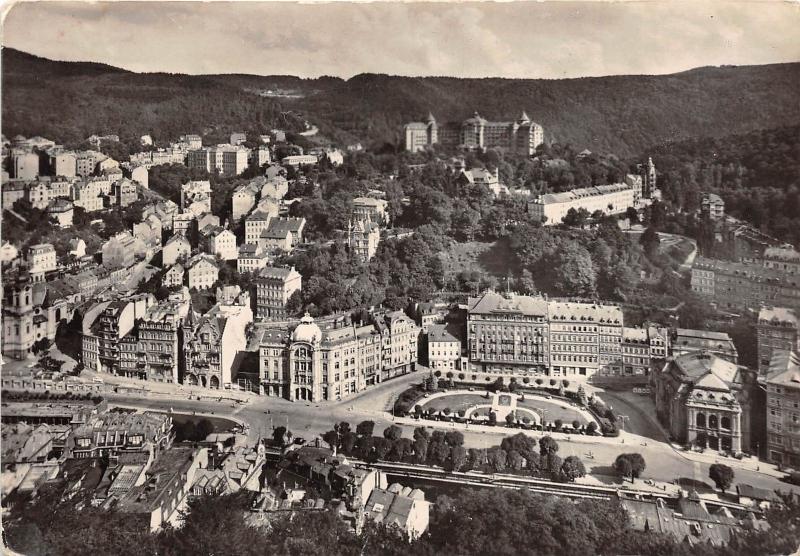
(305, 362)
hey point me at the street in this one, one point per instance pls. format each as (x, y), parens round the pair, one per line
(309, 420)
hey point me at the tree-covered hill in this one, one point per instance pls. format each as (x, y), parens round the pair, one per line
(757, 174)
(620, 114)
(68, 101)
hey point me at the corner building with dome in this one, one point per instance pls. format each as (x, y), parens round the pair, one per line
(313, 363)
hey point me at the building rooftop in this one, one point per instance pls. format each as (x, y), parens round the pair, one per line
(696, 366)
(495, 303)
(579, 193)
(585, 312)
(439, 333)
(778, 315)
(784, 370)
(168, 466)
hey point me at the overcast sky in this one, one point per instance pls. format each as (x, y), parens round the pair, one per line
(512, 39)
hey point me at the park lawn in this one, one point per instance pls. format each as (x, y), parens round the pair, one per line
(554, 411)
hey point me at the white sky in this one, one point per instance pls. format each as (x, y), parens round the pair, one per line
(512, 39)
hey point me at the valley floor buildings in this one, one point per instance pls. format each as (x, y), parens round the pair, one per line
(518, 335)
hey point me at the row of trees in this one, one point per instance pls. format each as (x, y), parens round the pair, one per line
(518, 453)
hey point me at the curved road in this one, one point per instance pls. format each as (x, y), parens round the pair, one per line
(308, 420)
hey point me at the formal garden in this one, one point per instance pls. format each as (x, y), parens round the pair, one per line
(542, 404)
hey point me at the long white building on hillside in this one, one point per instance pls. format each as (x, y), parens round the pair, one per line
(551, 208)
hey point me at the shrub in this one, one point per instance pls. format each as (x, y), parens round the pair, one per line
(526, 380)
(539, 381)
(474, 377)
(460, 376)
(449, 375)
(437, 374)
(552, 382)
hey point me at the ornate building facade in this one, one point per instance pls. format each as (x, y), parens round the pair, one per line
(307, 362)
(706, 401)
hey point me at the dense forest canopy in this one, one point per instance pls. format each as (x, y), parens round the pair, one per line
(757, 174)
(619, 114)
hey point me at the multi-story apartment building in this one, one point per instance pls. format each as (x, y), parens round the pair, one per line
(274, 287)
(783, 409)
(444, 349)
(227, 160)
(25, 165)
(202, 272)
(741, 286)
(61, 211)
(243, 200)
(38, 194)
(363, 238)
(712, 206)
(125, 192)
(119, 251)
(521, 136)
(584, 338)
(111, 327)
(140, 175)
(273, 183)
(159, 336)
(400, 336)
(785, 259)
(551, 208)
(251, 258)
(261, 156)
(421, 135)
(369, 208)
(220, 242)
(117, 433)
(635, 351)
(517, 335)
(173, 277)
(508, 334)
(42, 258)
(255, 224)
(686, 340)
(306, 362)
(176, 248)
(212, 342)
(282, 233)
(62, 163)
(777, 330)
